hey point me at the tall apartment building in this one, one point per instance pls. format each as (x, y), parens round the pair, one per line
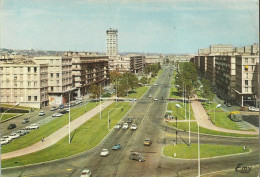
(88, 69)
(225, 67)
(112, 43)
(137, 63)
(121, 64)
(59, 78)
(210, 73)
(247, 81)
(24, 81)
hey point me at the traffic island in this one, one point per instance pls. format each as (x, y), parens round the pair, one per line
(182, 151)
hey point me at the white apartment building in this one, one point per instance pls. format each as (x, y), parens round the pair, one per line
(59, 78)
(112, 43)
(247, 81)
(25, 82)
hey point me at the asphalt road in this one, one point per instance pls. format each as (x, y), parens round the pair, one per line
(148, 115)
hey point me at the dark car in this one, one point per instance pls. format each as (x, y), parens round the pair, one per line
(61, 106)
(117, 147)
(129, 120)
(63, 112)
(11, 126)
(228, 104)
(26, 120)
(136, 156)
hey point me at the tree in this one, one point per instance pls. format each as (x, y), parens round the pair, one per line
(113, 75)
(95, 90)
(131, 80)
(206, 89)
(144, 80)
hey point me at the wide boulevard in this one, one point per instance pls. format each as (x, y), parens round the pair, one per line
(148, 114)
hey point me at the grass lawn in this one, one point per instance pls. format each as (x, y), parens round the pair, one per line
(17, 107)
(194, 128)
(45, 130)
(206, 150)
(138, 92)
(221, 118)
(174, 93)
(179, 112)
(85, 137)
(8, 115)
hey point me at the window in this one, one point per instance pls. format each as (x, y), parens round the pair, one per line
(29, 84)
(246, 75)
(35, 69)
(29, 98)
(246, 82)
(58, 81)
(35, 98)
(15, 84)
(246, 60)
(57, 75)
(252, 60)
(35, 84)
(29, 69)
(246, 89)
(15, 77)
(51, 88)
(51, 75)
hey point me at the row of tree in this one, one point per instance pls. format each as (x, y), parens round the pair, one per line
(126, 82)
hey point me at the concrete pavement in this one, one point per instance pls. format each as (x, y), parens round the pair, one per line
(203, 120)
(56, 136)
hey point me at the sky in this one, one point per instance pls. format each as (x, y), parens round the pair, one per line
(155, 26)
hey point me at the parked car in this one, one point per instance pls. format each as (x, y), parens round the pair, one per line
(228, 104)
(104, 152)
(11, 126)
(251, 108)
(117, 127)
(147, 142)
(125, 126)
(42, 113)
(156, 99)
(57, 114)
(86, 173)
(256, 109)
(14, 135)
(129, 120)
(22, 132)
(242, 109)
(150, 95)
(63, 112)
(61, 106)
(53, 108)
(136, 156)
(116, 147)
(8, 138)
(25, 120)
(32, 126)
(4, 142)
(133, 127)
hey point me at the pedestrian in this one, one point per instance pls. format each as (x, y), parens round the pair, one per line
(42, 139)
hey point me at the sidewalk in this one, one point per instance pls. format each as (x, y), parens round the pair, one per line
(58, 135)
(203, 120)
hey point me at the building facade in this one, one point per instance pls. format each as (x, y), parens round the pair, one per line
(137, 63)
(59, 77)
(88, 69)
(210, 73)
(24, 82)
(247, 81)
(221, 48)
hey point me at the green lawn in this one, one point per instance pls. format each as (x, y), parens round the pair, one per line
(174, 93)
(18, 107)
(46, 129)
(85, 137)
(179, 112)
(206, 150)
(8, 115)
(221, 118)
(138, 92)
(194, 128)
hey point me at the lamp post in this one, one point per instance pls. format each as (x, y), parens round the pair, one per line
(178, 105)
(1, 135)
(23, 168)
(69, 116)
(108, 120)
(219, 105)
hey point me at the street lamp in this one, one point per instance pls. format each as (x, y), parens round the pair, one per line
(108, 120)
(219, 105)
(23, 168)
(178, 105)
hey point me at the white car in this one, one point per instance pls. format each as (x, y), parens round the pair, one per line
(57, 114)
(32, 126)
(42, 113)
(251, 108)
(7, 138)
(150, 96)
(125, 126)
(133, 127)
(4, 141)
(104, 152)
(156, 99)
(85, 173)
(256, 110)
(117, 127)
(14, 135)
